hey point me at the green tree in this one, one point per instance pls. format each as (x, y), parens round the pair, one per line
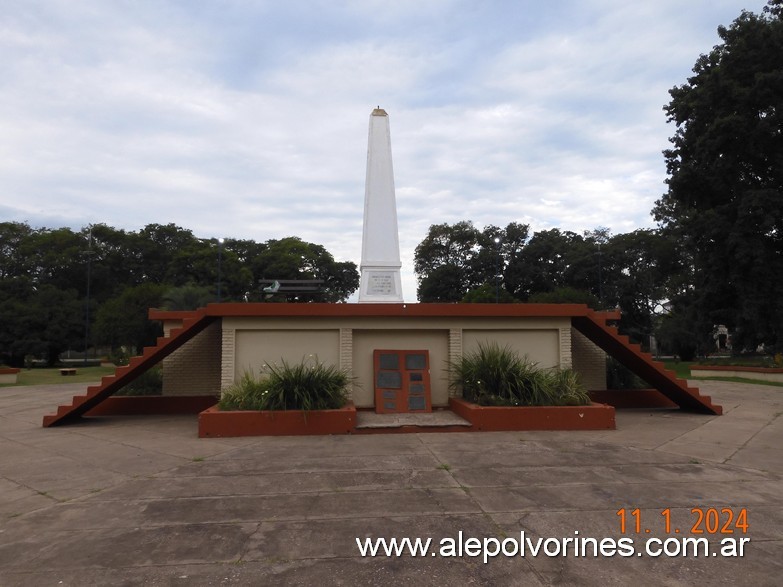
(122, 320)
(453, 260)
(55, 257)
(13, 262)
(110, 254)
(187, 297)
(444, 284)
(725, 185)
(488, 294)
(44, 281)
(42, 321)
(14, 309)
(293, 258)
(565, 295)
(553, 259)
(154, 249)
(443, 262)
(639, 269)
(57, 321)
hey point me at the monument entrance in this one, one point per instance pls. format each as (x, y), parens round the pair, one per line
(401, 381)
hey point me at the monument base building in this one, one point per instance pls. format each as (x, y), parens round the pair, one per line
(397, 354)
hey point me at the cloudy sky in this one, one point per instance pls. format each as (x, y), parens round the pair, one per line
(249, 118)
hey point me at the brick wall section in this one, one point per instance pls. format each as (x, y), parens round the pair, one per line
(566, 350)
(194, 369)
(228, 352)
(455, 352)
(346, 354)
(589, 361)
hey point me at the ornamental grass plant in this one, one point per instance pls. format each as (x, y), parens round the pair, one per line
(497, 376)
(308, 385)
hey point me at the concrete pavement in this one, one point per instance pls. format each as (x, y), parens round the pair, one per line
(143, 501)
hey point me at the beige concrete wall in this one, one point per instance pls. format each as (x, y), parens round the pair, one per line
(8, 378)
(540, 346)
(198, 368)
(395, 323)
(253, 348)
(366, 341)
(194, 368)
(589, 361)
(350, 341)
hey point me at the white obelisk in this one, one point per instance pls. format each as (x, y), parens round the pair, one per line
(380, 266)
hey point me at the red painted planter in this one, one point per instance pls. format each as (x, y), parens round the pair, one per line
(497, 418)
(216, 423)
(120, 405)
(632, 398)
(8, 374)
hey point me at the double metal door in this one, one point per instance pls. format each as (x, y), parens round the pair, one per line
(402, 381)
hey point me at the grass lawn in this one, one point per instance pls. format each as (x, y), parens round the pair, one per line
(741, 361)
(683, 370)
(740, 380)
(52, 376)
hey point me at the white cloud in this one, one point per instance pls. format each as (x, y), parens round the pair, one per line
(250, 119)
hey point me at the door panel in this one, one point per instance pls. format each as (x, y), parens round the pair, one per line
(402, 381)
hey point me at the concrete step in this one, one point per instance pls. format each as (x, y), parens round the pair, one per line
(125, 374)
(436, 418)
(642, 364)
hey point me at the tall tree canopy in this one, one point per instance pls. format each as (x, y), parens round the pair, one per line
(724, 203)
(636, 271)
(44, 281)
(454, 259)
(553, 259)
(293, 258)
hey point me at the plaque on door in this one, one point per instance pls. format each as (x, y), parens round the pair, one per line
(401, 381)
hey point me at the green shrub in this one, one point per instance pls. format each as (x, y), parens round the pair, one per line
(748, 360)
(497, 376)
(308, 385)
(565, 295)
(570, 390)
(119, 357)
(148, 383)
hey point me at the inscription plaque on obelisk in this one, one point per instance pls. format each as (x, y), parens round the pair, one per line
(380, 266)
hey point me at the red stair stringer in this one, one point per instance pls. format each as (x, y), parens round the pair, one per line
(80, 404)
(630, 355)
